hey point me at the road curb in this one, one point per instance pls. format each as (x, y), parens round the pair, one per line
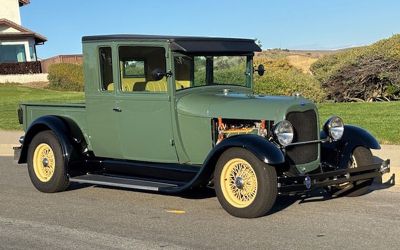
(7, 149)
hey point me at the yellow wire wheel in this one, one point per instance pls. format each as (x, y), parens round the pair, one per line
(238, 182)
(44, 162)
(47, 165)
(245, 186)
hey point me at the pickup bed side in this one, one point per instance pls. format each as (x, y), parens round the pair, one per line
(72, 115)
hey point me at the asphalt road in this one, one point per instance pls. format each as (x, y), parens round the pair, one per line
(90, 217)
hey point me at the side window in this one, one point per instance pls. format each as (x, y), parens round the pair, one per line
(200, 73)
(183, 72)
(106, 69)
(142, 69)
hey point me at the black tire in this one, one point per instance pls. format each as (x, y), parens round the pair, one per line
(362, 157)
(58, 180)
(266, 184)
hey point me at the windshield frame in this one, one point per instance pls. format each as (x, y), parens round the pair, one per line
(249, 73)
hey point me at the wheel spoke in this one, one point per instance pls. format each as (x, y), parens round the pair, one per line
(44, 162)
(240, 182)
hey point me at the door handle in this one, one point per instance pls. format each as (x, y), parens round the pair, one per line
(117, 109)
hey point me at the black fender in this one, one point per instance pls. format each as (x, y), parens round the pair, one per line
(339, 153)
(65, 130)
(263, 149)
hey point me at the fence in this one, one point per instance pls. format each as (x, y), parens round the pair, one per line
(75, 59)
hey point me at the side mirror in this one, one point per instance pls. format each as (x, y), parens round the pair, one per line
(157, 74)
(260, 70)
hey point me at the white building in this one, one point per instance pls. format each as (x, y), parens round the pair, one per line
(17, 43)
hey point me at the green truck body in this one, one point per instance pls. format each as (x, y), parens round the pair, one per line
(167, 103)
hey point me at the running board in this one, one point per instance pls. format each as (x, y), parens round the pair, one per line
(123, 182)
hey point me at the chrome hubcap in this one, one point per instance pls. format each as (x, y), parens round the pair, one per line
(45, 162)
(239, 182)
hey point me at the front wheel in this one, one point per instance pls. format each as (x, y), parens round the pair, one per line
(245, 186)
(46, 165)
(360, 158)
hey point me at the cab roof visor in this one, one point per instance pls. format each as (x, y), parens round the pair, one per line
(192, 45)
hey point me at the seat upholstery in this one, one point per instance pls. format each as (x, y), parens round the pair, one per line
(139, 84)
(182, 84)
(133, 84)
(157, 86)
(110, 86)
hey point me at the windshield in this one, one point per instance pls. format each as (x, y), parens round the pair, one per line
(195, 71)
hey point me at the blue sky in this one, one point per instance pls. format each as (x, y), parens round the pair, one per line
(307, 24)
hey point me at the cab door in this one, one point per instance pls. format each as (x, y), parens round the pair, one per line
(101, 101)
(144, 116)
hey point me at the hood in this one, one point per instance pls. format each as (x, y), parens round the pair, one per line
(238, 104)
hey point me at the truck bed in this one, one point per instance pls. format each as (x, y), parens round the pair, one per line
(73, 111)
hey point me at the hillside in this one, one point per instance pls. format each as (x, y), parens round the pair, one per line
(369, 73)
(287, 72)
(300, 59)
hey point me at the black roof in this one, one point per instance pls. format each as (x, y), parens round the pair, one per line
(190, 44)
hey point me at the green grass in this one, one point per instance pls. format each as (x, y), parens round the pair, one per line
(381, 119)
(11, 95)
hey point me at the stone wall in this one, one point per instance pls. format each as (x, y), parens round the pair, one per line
(25, 78)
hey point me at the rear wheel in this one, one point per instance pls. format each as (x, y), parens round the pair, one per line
(360, 158)
(245, 186)
(46, 166)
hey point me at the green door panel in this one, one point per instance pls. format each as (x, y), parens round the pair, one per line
(103, 126)
(145, 126)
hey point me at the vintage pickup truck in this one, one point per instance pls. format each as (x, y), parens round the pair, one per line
(172, 114)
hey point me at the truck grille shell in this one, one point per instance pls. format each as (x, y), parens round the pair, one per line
(305, 126)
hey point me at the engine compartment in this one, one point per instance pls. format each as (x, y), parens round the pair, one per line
(224, 128)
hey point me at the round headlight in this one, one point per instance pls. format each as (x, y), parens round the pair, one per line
(334, 127)
(284, 132)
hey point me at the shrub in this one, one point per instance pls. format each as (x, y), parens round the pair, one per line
(281, 78)
(66, 76)
(367, 73)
